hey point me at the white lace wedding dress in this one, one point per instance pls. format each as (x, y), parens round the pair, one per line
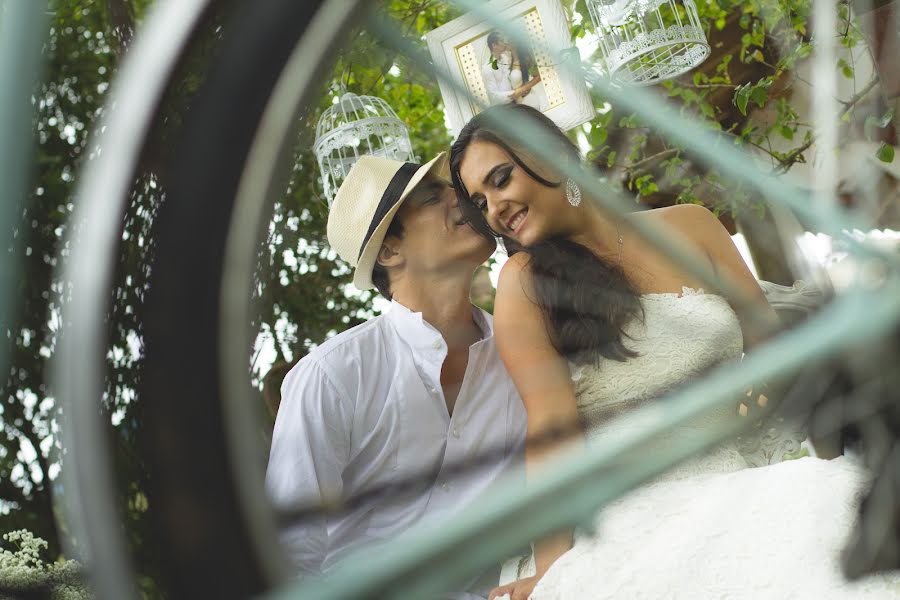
(536, 98)
(712, 527)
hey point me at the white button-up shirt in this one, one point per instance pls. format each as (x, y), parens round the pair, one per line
(366, 409)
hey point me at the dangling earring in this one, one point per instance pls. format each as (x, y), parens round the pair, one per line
(573, 193)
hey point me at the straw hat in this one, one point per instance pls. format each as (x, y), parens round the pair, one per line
(365, 204)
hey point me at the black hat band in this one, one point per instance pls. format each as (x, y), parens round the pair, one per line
(389, 198)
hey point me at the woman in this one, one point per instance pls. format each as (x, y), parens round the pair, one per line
(591, 321)
(526, 80)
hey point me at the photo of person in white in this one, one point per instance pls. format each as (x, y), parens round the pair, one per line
(511, 75)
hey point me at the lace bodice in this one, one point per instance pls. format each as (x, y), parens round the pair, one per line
(680, 337)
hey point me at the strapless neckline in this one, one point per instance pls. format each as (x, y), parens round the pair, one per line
(686, 292)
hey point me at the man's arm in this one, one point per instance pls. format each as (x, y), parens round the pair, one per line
(310, 449)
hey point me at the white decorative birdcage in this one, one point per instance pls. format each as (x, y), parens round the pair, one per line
(646, 41)
(355, 126)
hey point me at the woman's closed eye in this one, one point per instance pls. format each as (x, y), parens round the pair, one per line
(501, 177)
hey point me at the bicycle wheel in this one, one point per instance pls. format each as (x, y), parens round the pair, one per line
(216, 534)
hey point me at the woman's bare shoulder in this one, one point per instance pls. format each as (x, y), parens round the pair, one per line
(693, 221)
(515, 276)
(678, 215)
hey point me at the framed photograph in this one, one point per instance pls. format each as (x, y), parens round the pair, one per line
(482, 60)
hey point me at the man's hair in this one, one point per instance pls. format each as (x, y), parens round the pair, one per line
(494, 38)
(379, 273)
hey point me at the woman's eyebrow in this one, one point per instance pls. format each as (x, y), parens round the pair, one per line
(492, 171)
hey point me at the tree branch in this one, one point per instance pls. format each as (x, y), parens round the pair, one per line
(654, 158)
(848, 104)
(42, 461)
(708, 85)
(794, 156)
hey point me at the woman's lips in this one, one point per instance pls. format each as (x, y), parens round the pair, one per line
(515, 223)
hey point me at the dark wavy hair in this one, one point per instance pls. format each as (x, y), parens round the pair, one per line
(586, 300)
(526, 61)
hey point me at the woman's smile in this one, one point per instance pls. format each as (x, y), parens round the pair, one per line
(515, 222)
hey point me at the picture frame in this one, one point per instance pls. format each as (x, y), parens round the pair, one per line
(498, 72)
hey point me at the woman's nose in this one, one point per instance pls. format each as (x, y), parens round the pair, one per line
(494, 211)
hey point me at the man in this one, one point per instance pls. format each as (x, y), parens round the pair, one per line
(407, 395)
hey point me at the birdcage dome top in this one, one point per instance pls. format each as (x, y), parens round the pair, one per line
(350, 108)
(646, 41)
(355, 126)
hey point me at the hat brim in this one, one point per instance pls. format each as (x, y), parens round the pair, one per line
(362, 276)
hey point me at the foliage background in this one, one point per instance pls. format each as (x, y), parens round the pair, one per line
(745, 89)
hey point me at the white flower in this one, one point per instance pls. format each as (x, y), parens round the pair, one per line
(23, 570)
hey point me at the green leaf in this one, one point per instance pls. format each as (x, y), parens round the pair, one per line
(723, 66)
(759, 93)
(611, 158)
(885, 153)
(786, 132)
(646, 185)
(741, 97)
(747, 131)
(845, 68)
(628, 122)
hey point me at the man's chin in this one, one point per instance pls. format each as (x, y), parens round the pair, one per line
(478, 255)
(487, 248)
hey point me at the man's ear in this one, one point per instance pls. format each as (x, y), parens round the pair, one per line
(389, 253)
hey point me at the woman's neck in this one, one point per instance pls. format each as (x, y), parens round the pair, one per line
(597, 231)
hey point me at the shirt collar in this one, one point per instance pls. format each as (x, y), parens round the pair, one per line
(421, 335)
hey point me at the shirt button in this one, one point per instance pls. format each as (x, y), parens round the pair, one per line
(456, 433)
(432, 390)
(436, 345)
(445, 486)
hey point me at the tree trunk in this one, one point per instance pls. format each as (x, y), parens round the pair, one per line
(882, 28)
(121, 18)
(766, 247)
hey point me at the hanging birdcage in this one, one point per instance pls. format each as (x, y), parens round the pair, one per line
(646, 41)
(355, 126)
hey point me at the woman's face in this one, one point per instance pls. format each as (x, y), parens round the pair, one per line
(514, 204)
